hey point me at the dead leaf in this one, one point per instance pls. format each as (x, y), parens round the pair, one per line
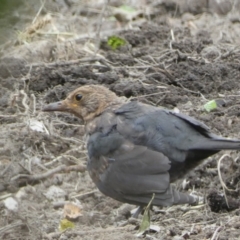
(72, 211)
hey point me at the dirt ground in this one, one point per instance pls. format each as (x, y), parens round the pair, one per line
(176, 56)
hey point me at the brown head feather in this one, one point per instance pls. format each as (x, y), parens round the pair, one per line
(87, 102)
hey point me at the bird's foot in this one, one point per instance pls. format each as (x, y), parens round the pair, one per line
(136, 211)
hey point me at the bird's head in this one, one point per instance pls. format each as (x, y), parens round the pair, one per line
(85, 102)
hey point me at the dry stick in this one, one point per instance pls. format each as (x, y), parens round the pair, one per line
(66, 156)
(13, 116)
(221, 180)
(34, 103)
(84, 194)
(166, 72)
(5, 169)
(208, 222)
(215, 233)
(70, 62)
(24, 101)
(2, 197)
(37, 177)
(55, 33)
(220, 175)
(138, 67)
(59, 122)
(39, 11)
(9, 227)
(201, 223)
(75, 140)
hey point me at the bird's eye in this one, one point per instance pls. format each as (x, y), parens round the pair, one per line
(78, 97)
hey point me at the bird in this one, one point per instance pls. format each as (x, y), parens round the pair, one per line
(136, 150)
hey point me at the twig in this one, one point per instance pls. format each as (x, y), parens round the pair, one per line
(67, 63)
(5, 169)
(10, 226)
(220, 175)
(221, 180)
(39, 11)
(37, 177)
(84, 194)
(59, 122)
(5, 196)
(76, 160)
(215, 233)
(13, 115)
(24, 101)
(55, 33)
(188, 90)
(172, 35)
(201, 223)
(34, 103)
(139, 67)
(75, 140)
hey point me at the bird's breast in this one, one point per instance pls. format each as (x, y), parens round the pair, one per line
(97, 167)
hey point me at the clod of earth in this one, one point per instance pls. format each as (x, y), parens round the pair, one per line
(136, 150)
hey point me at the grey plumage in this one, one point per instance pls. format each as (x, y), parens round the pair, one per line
(144, 148)
(135, 149)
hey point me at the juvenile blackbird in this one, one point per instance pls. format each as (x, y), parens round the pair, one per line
(135, 149)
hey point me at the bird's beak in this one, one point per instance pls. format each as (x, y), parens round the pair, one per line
(61, 106)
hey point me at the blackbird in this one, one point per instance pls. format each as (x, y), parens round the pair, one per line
(135, 149)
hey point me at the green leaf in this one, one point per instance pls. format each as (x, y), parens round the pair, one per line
(115, 42)
(145, 224)
(211, 105)
(65, 224)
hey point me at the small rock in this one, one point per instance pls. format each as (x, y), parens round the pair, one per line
(11, 204)
(55, 194)
(21, 193)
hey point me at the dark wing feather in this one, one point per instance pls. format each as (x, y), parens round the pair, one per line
(136, 149)
(174, 134)
(131, 173)
(199, 126)
(184, 140)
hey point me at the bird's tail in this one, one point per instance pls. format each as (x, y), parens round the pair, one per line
(217, 144)
(184, 198)
(174, 197)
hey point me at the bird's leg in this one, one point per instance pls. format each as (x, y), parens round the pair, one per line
(198, 199)
(136, 212)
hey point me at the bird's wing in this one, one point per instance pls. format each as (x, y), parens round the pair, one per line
(197, 125)
(129, 172)
(173, 134)
(184, 140)
(121, 155)
(164, 117)
(158, 129)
